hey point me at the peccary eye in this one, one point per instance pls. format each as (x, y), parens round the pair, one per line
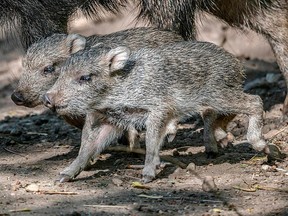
(85, 78)
(49, 69)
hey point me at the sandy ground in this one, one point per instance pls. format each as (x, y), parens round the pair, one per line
(36, 145)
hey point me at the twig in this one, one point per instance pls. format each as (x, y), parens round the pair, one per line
(108, 206)
(258, 187)
(142, 151)
(271, 188)
(13, 152)
(58, 192)
(280, 131)
(245, 189)
(36, 133)
(150, 196)
(20, 210)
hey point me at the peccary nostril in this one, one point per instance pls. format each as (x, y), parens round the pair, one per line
(48, 102)
(17, 98)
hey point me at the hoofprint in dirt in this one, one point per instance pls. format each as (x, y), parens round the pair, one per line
(36, 146)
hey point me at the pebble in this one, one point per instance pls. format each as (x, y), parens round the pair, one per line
(191, 167)
(117, 181)
(265, 167)
(209, 184)
(32, 188)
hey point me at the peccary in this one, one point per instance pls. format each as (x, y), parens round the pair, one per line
(32, 20)
(150, 88)
(44, 58)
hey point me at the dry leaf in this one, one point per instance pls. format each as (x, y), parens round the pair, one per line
(140, 185)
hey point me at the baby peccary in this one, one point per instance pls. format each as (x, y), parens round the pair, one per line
(43, 59)
(149, 88)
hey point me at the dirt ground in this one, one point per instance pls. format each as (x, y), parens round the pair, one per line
(35, 145)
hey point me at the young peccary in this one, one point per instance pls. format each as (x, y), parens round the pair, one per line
(149, 88)
(43, 59)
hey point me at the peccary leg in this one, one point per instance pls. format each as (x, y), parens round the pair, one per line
(171, 130)
(274, 25)
(94, 140)
(133, 138)
(209, 116)
(254, 131)
(281, 53)
(220, 126)
(252, 106)
(155, 133)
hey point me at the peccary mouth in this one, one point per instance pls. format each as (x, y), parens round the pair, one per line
(31, 104)
(61, 107)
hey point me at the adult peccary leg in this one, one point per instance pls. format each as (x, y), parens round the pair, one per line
(274, 25)
(30, 20)
(95, 138)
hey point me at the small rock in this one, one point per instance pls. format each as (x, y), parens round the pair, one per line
(191, 167)
(209, 184)
(32, 188)
(265, 167)
(117, 181)
(178, 173)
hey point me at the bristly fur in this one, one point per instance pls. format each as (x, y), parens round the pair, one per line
(163, 84)
(33, 19)
(179, 15)
(55, 49)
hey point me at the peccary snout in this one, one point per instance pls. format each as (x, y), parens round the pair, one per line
(48, 101)
(17, 98)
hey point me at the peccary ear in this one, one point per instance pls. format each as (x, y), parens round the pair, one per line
(117, 58)
(75, 43)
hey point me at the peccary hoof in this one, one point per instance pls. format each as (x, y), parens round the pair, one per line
(147, 179)
(273, 152)
(64, 178)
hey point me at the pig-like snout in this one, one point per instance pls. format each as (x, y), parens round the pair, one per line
(17, 98)
(48, 100)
